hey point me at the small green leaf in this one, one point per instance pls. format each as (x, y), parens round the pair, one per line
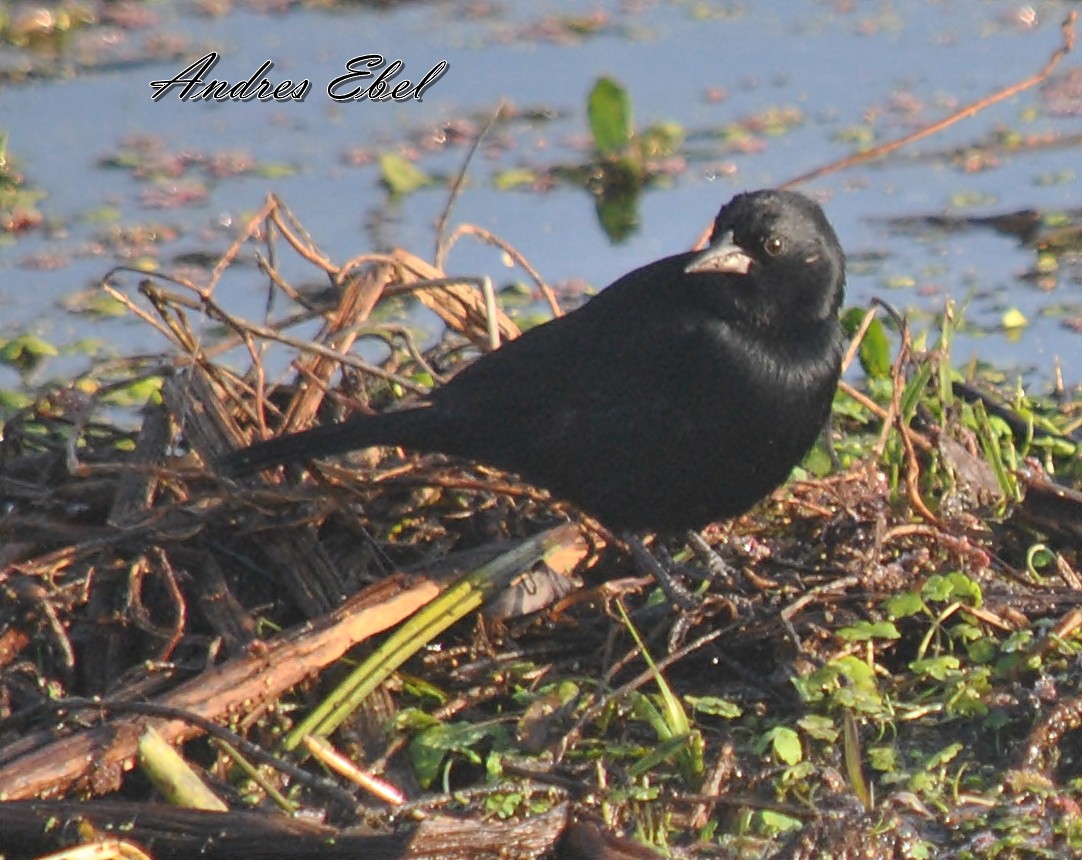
(820, 727)
(102, 215)
(920, 850)
(514, 178)
(276, 170)
(904, 605)
(26, 346)
(875, 355)
(659, 753)
(670, 721)
(854, 762)
(938, 668)
(401, 175)
(26, 352)
(715, 706)
(863, 631)
(861, 135)
(135, 393)
(95, 303)
(1047, 262)
(777, 822)
(882, 758)
(953, 586)
(899, 282)
(859, 673)
(943, 756)
(784, 742)
(11, 401)
(661, 139)
(982, 650)
(428, 749)
(609, 111)
(1014, 318)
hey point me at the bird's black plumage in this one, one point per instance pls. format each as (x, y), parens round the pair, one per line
(684, 392)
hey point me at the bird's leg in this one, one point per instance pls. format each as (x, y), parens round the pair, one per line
(716, 566)
(719, 570)
(828, 441)
(647, 562)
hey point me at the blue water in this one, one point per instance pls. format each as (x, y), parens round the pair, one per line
(841, 69)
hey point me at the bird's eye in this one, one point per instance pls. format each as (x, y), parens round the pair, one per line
(774, 245)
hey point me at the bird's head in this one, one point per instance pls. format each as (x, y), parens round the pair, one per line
(781, 258)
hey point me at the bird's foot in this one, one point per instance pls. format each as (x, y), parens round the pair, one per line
(648, 563)
(718, 568)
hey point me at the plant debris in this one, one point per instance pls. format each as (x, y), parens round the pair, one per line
(888, 669)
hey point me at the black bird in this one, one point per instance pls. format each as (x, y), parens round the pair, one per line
(683, 393)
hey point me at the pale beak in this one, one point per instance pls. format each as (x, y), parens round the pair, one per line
(723, 256)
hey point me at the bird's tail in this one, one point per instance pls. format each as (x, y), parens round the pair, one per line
(362, 431)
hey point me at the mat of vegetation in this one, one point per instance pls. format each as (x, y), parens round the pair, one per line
(415, 657)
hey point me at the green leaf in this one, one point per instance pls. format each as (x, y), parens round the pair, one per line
(953, 586)
(671, 720)
(983, 650)
(276, 170)
(644, 709)
(1014, 319)
(672, 747)
(135, 393)
(428, 750)
(96, 303)
(784, 742)
(458, 600)
(11, 401)
(609, 112)
(422, 688)
(945, 755)
(864, 631)
(515, 177)
(913, 391)
(26, 352)
(401, 175)
(938, 668)
(820, 727)
(997, 445)
(414, 721)
(661, 139)
(26, 346)
(715, 706)
(875, 355)
(854, 766)
(102, 215)
(904, 605)
(858, 690)
(882, 758)
(777, 822)
(859, 673)
(920, 850)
